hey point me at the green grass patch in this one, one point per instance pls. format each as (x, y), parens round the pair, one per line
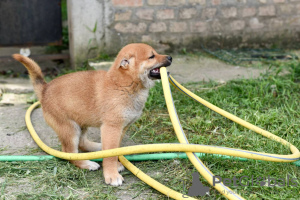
(270, 102)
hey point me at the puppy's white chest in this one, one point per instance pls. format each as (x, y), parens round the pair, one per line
(134, 111)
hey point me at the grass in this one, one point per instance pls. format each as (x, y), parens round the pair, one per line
(270, 102)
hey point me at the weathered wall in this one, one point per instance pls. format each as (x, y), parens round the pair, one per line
(178, 24)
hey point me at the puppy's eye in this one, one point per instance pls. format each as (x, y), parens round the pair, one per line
(151, 57)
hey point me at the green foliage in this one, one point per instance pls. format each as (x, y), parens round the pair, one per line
(64, 12)
(59, 48)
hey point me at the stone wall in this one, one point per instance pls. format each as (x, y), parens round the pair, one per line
(187, 24)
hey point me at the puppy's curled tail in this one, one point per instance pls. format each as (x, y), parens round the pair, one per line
(35, 73)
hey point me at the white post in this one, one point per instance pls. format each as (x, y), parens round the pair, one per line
(85, 21)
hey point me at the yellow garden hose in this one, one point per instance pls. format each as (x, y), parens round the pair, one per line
(183, 147)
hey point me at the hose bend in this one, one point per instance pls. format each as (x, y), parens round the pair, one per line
(184, 145)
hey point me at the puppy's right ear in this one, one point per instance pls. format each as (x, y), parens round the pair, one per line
(124, 63)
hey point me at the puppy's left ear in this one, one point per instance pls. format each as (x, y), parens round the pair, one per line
(124, 63)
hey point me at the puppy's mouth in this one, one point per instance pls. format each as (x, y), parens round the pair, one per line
(155, 71)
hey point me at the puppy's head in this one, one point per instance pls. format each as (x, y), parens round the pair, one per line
(141, 61)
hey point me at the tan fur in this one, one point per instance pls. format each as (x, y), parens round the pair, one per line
(111, 100)
(35, 73)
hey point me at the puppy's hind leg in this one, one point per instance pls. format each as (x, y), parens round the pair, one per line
(70, 144)
(87, 145)
(69, 133)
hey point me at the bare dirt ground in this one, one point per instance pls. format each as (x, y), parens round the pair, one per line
(194, 69)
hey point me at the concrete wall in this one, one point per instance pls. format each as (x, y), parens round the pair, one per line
(176, 24)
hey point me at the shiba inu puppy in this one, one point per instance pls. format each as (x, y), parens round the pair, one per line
(111, 100)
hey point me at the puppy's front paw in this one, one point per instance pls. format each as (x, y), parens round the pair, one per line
(120, 167)
(114, 179)
(90, 165)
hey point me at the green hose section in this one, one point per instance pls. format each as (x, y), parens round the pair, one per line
(138, 157)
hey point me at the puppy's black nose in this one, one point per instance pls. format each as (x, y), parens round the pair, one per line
(169, 58)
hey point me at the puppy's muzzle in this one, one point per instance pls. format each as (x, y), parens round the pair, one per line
(169, 58)
(155, 73)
